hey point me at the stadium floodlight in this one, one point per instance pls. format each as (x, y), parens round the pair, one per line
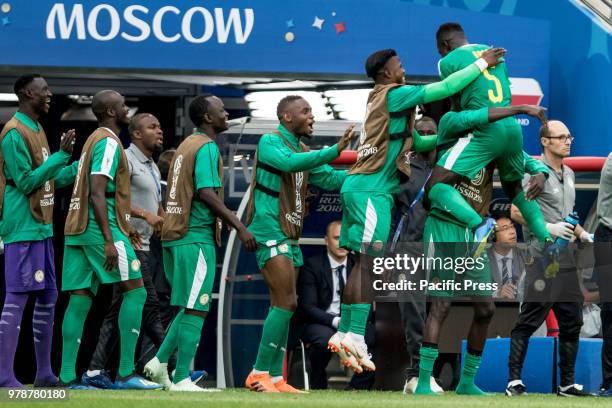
(348, 104)
(263, 104)
(8, 97)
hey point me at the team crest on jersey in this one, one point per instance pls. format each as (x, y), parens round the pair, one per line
(39, 276)
(135, 265)
(178, 163)
(539, 285)
(283, 248)
(476, 181)
(204, 299)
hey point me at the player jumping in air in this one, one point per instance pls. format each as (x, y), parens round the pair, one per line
(367, 194)
(501, 141)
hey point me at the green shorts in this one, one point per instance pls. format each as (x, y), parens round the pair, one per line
(366, 221)
(451, 271)
(190, 270)
(270, 249)
(83, 266)
(500, 141)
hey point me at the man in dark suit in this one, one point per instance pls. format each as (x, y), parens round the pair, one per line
(506, 260)
(320, 286)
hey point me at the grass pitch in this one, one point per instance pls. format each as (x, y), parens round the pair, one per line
(319, 399)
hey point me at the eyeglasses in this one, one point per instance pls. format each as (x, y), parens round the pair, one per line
(562, 138)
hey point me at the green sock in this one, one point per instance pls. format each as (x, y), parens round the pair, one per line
(359, 318)
(72, 330)
(271, 337)
(276, 368)
(533, 217)
(130, 316)
(428, 358)
(466, 384)
(345, 318)
(189, 335)
(447, 199)
(171, 340)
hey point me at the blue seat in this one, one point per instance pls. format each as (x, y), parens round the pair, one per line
(588, 364)
(538, 369)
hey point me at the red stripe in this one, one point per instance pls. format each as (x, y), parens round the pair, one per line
(526, 99)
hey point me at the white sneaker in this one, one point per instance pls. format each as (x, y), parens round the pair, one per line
(358, 349)
(346, 359)
(187, 385)
(412, 383)
(435, 387)
(158, 372)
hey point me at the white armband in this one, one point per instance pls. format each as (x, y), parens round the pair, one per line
(481, 64)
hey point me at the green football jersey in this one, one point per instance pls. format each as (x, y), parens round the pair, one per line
(491, 89)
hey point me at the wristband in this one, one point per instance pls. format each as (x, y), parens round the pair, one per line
(481, 64)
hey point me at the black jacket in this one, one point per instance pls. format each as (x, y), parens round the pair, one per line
(415, 224)
(315, 289)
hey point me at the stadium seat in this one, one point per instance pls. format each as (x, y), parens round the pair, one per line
(588, 364)
(538, 370)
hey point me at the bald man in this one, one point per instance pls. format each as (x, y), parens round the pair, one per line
(146, 218)
(97, 248)
(560, 293)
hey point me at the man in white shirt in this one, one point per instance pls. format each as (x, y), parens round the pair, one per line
(320, 286)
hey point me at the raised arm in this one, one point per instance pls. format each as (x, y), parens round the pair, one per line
(456, 81)
(19, 163)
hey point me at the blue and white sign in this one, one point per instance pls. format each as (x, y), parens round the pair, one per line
(301, 37)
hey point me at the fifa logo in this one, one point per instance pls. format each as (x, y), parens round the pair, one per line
(299, 181)
(78, 175)
(176, 171)
(362, 136)
(45, 155)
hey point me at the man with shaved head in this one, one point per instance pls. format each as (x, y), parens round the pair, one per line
(282, 170)
(28, 175)
(97, 248)
(561, 293)
(146, 218)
